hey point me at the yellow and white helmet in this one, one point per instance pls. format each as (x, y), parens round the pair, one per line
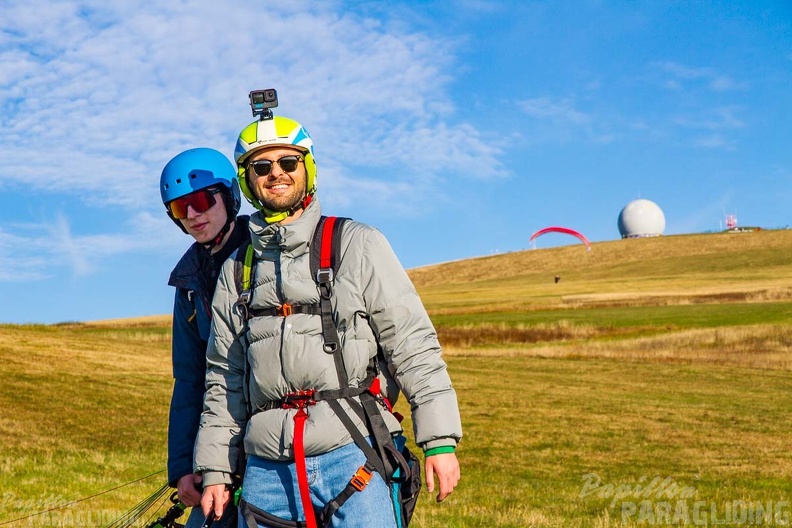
(276, 132)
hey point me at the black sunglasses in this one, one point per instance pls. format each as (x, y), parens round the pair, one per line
(264, 167)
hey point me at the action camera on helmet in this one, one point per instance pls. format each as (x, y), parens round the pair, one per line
(261, 101)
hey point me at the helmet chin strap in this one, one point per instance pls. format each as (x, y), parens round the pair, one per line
(228, 199)
(278, 216)
(209, 246)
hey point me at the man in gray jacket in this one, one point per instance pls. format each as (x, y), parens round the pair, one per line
(301, 450)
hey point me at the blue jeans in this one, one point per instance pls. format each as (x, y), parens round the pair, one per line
(272, 487)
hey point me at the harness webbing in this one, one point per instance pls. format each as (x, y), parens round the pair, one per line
(324, 257)
(326, 247)
(246, 274)
(243, 278)
(302, 471)
(382, 456)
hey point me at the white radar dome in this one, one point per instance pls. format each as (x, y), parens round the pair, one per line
(641, 218)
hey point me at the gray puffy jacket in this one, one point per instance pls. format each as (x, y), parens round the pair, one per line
(374, 302)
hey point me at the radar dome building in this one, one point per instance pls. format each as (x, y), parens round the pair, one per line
(641, 218)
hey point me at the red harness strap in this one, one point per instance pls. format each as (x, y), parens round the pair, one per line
(376, 390)
(300, 400)
(326, 252)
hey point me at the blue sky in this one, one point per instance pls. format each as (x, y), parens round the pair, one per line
(458, 127)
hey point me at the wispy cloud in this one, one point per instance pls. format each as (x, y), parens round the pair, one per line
(17, 262)
(724, 118)
(104, 96)
(714, 141)
(554, 109)
(95, 97)
(566, 119)
(36, 251)
(710, 129)
(707, 217)
(677, 75)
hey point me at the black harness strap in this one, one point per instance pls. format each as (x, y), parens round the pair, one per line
(358, 483)
(325, 395)
(360, 441)
(253, 516)
(381, 455)
(323, 266)
(284, 310)
(324, 261)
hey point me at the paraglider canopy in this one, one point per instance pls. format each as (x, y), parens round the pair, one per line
(563, 230)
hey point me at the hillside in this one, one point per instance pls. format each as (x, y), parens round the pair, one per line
(681, 269)
(665, 357)
(723, 267)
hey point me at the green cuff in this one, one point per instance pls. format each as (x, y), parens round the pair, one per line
(439, 450)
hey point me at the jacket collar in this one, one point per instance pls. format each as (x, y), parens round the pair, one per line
(190, 266)
(290, 239)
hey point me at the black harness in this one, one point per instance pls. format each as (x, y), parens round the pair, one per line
(366, 400)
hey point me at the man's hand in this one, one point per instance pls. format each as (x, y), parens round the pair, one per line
(189, 489)
(215, 499)
(446, 467)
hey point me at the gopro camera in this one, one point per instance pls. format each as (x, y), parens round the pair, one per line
(261, 101)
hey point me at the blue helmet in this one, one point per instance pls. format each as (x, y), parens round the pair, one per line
(197, 169)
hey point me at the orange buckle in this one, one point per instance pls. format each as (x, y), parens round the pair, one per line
(284, 310)
(361, 478)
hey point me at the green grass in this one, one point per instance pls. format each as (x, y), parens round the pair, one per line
(668, 358)
(652, 318)
(533, 429)
(82, 411)
(536, 427)
(660, 271)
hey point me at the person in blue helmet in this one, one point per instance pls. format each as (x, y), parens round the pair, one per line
(201, 194)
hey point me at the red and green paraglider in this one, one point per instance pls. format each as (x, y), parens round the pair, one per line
(563, 230)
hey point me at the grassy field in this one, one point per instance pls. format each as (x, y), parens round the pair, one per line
(650, 386)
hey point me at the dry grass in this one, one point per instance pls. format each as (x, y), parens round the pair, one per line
(615, 254)
(482, 335)
(665, 357)
(82, 408)
(537, 418)
(749, 267)
(754, 346)
(535, 426)
(146, 321)
(97, 349)
(711, 295)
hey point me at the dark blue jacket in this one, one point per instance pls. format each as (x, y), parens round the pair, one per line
(194, 277)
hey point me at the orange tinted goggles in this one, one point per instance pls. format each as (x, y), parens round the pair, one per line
(201, 201)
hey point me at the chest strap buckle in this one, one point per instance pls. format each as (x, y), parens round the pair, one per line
(299, 399)
(284, 310)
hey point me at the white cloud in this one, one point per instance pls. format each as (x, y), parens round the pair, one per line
(713, 141)
(36, 251)
(716, 119)
(566, 120)
(554, 109)
(96, 96)
(125, 86)
(17, 262)
(680, 74)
